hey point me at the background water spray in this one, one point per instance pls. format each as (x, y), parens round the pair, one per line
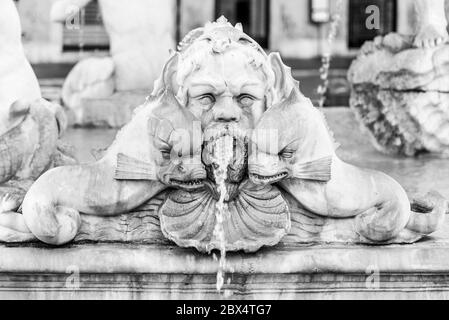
(327, 54)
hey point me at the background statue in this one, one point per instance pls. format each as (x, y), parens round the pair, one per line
(17, 79)
(432, 23)
(30, 127)
(399, 86)
(139, 45)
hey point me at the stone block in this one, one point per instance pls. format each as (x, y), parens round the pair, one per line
(98, 270)
(401, 96)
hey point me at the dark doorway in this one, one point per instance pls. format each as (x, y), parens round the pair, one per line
(253, 14)
(358, 31)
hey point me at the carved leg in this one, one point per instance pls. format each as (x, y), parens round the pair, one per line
(432, 30)
(90, 78)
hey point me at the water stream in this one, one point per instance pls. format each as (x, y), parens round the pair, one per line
(223, 155)
(327, 53)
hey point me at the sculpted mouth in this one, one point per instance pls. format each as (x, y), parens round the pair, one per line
(237, 167)
(257, 178)
(189, 184)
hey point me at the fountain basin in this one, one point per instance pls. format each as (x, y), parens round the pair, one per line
(287, 271)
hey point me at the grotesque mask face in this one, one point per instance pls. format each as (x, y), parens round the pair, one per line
(227, 81)
(226, 89)
(228, 93)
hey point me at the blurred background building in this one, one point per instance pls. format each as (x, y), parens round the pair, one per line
(296, 28)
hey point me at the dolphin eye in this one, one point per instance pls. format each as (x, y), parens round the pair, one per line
(287, 153)
(166, 154)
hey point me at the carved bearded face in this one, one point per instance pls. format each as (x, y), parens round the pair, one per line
(226, 89)
(227, 81)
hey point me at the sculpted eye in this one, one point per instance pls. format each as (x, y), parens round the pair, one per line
(206, 99)
(246, 100)
(166, 153)
(287, 153)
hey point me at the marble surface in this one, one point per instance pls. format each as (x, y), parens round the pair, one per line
(287, 271)
(416, 175)
(124, 271)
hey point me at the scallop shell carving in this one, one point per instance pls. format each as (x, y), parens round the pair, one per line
(257, 217)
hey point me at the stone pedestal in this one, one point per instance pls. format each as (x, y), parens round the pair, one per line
(88, 270)
(400, 95)
(118, 271)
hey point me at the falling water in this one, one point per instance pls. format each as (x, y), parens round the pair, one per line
(82, 14)
(327, 54)
(223, 155)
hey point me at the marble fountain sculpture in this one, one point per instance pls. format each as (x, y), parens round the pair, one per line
(225, 154)
(103, 91)
(15, 72)
(30, 127)
(400, 86)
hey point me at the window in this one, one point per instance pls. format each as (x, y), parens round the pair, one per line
(358, 32)
(253, 14)
(86, 31)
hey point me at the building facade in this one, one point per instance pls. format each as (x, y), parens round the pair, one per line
(295, 28)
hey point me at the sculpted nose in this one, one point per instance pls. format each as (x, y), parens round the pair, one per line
(226, 111)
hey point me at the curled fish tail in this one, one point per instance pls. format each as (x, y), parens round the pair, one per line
(428, 213)
(382, 222)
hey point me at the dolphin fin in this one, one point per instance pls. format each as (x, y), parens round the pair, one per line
(316, 170)
(129, 168)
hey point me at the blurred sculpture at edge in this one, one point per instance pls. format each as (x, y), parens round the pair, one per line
(400, 86)
(30, 127)
(140, 39)
(17, 79)
(290, 188)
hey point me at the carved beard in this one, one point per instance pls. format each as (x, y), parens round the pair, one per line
(237, 169)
